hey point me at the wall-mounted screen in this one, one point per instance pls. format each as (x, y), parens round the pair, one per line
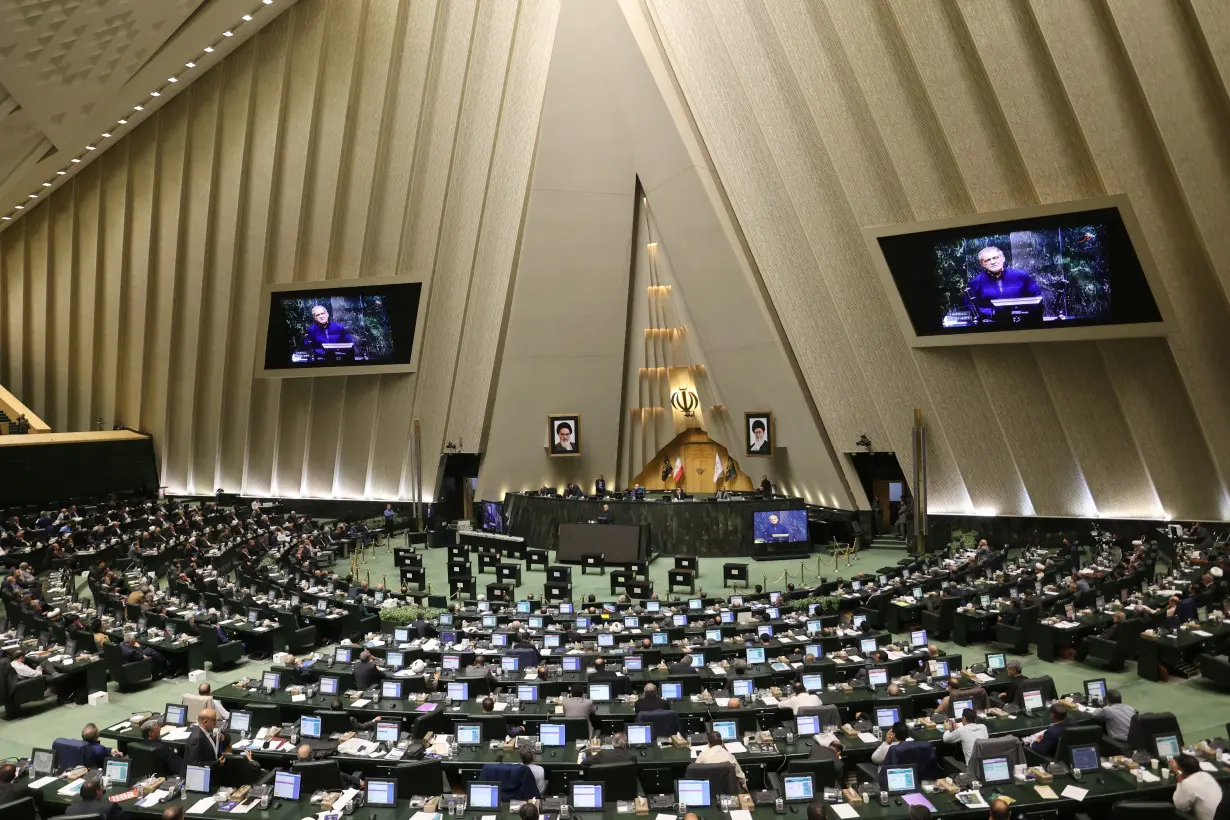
(772, 526)
(1024, 275)
(493, 517)
(344, 328)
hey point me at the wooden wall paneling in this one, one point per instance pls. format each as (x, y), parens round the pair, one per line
(134, 354)
(63, 207)
(112, 272)
(36, 359)
(86, 187)
(11, 334)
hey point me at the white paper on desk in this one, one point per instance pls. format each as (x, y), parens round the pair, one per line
(982, 677)
(892, 656)
(740, 814)
(347, 796)
(258, 629)
(298, 698)
(179, 733)
(658, 817)
(825, 739)
(867, 737)
(1074, 793)
(853, 658)
(717, 670)
(43, 781)
(355, 746)
(201, 806)
(1202, 633)
(245, 807)
(152, 798)
(119, 727)
(499, 706)
(71, 788)
(926, 687)
(359, 704)
(375, 643)
(1149, 777)
(735, 747)
(843, 810)
(1207, 766)
(769, 700)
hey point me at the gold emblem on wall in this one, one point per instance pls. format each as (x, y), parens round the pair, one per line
(685, 401)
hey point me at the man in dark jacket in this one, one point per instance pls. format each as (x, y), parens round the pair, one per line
(1048, 744)
(651, 701)
(618, 753)
(92, 802)
(169, 762)
(366, 672)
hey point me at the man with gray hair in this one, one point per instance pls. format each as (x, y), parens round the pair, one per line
(618, 753)
(1012, 686)
(168, 762)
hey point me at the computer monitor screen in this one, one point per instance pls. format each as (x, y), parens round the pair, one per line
(469, 734)
(382, 793)
(271, 680)
(1167, 746)
(693, 793)
(510, 663)
(995, 661)
(917, 593)
(640, 734)
(175, 714)
(1096, 688)
(815, 650)
(798, 787)
(632, 621)
(713, 635)
(196, 779)
(996, 770)
(328, 685)
(773, 526)
(240, 721)
(117, 771)
(672, 691)
(887, 716)
(342, 654)
(900, 779)
(565, 609)
(254, 617)
(390, 689)
(482, 606)
(490, 621)
(483, 795)
(695, 603)
(499, 639)
(523, 607)
(395, 659)
(867, 645)
(653, 606)
(959, 706)
(451, 662)
(550, 640)
(858, 621)
(774, 613)
(634, 663)
(877, 677)
(807, 724)
(458, 690)
(742, 687)
(679, 620)
(728, 617)
(918, 637)
(606, 639)
(755, 654)
(1031, 700)
(1085, 758)
(535, 622)
(401, 634)
(445, 619)
(552, 734)
(814, 682)
(660, 639)
(986, 601)
(527, 692)
(572, 663)
(448, 637)
(586, 796)
(309, 726)
(764, 631)
(940, 668)
(42, 761)
(388, 731)
(599, 692)
(582, 622)
(728, 729)
(697, 660)
(321, 606)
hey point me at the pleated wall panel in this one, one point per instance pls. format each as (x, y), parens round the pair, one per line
(346, 139)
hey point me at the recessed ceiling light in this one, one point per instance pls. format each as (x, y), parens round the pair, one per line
(89, 148)
(247, 17)
(155, 93)
(190, 64)
(33, 196)
(61, 173)
(267, 2)
(106, 135)
(20, 207)
(122, 122)
(209, 49)
(228, 34)
(6, 218)
(138, 108)
(46, 184)
(172, 79)
(74, 159)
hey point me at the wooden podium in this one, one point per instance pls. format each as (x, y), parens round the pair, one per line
(697, 452)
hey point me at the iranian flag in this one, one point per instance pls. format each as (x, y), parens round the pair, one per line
(678, 475)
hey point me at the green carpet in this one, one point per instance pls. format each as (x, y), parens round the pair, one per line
(1200, 709)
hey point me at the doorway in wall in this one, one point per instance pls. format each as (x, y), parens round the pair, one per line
(884, 482)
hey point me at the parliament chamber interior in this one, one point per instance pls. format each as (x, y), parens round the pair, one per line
(568, 409)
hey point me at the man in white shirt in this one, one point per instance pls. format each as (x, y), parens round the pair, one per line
(800, 698)
(1116, 714)
(205, 692)
(1198, 791)
(716, 752)
(967, 733)
(540, 775)
(19, 666)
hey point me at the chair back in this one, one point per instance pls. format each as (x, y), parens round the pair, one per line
(976, 693)
(1143, 810)
(1043, 683)
(721, 777)
(332, 721)
(144, 761)
(829, 714)
(22, 809)
(575, 728)
(420, 777)
(619, 779)
(665, 722)
(264, 714)
(195, 704)
(1145, 726)
(823, 771)
(1075, 735)
(69, 752)
(236, 771)
(114, 660)
(318, 775)
(516, 780)
(1008, 746)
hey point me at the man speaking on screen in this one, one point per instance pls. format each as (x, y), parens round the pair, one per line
(996, 283)
(323, 332)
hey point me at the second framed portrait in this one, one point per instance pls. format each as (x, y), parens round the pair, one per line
(564, 433)
(758, 428)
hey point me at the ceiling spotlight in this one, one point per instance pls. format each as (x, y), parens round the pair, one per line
(61, 173)
(247, 18)
(228, 34)
(74, 159)
(138, 108)
(190, 64)
(155, 93)
(46, 184)
(267, 2)
(106, 135)
(33, 196)
(89, 148)
(172, 79)
(20, 207)
(209, 49)
(6, 218)
(122, 122)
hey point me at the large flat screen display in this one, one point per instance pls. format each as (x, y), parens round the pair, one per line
(773, 526)
(493, 517)
(1027, 275)
(360, 326)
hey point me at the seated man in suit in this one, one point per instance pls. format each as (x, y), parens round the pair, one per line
(366, 672)
(651, 701)
(618, 753)
(907, 752)
(1047, 742)
(683, 666)
(92, 802)
(169, 762)
(304, 754)
(601, 673)
(11, 790)
(132, 651)
(94, 755)
(1015, 676)
(577, 705)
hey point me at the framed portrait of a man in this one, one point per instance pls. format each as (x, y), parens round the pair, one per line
(564, 433)
(758, 426)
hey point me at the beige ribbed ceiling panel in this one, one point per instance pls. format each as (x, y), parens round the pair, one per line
(826, 117)
(346, 139)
